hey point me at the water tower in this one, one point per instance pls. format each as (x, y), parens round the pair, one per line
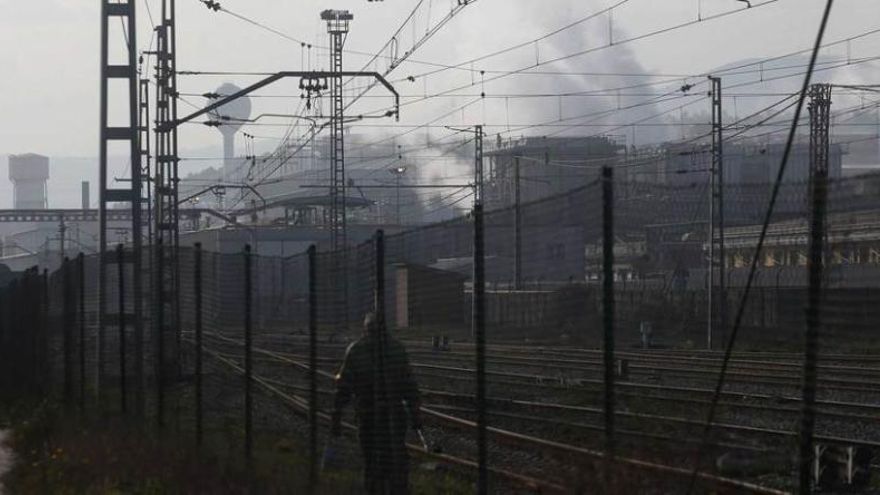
(231, 117)
(29, 173)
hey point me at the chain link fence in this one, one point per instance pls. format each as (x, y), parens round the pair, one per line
(595, 332)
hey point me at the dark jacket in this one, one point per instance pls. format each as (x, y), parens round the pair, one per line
(377, 373)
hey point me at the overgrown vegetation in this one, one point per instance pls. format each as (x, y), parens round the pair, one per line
(61, 454)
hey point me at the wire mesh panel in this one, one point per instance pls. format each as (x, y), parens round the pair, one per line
(26, 331)
(607, 314)
(223, 319)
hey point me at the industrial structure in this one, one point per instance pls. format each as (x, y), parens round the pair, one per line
(559, 242)
(29, 174)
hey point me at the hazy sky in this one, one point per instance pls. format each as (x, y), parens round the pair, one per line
(50, 54)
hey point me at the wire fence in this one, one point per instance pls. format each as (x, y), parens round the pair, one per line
(557, 345)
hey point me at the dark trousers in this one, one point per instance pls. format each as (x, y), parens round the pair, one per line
(383, 443)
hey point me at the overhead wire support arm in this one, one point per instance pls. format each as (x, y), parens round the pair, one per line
(284, 75)
(216, 187)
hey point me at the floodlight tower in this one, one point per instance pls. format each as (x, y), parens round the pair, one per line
(337, 26)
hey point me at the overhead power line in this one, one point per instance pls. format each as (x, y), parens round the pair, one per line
(728, 350)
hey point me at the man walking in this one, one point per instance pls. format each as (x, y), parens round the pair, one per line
(377, 373)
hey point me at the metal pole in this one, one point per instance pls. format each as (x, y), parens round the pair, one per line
(380, 277)
(81, 294)
(398, 199)
(820, 96)
(313, 368)
(102, 188)
(710, 294)
(718, 157)
(517, 210)
(68, 333)
(381, 386)
(248, 358)
(62, 231)
(480, 342)
(608, 311)
(120, 259)
(159, 324)
(44, 331)
(197, 289)
(479, 316)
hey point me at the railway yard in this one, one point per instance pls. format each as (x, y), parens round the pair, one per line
(544, 405)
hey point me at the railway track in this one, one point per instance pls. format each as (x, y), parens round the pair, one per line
(778, 409)
(832, 409)
(500, 435)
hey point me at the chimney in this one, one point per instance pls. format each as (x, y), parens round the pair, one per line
(85, 195)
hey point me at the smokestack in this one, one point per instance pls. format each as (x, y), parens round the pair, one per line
(85, 195)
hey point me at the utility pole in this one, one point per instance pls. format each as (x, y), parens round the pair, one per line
(479, 315)
(398, 174)
(478, 165)
(716, 210)
(337, 26)
(144, 137)
(146, 199)
(165, 194)
(478, 323)
(820, 106)
(113, 12)
(517, 211)
(62, 231)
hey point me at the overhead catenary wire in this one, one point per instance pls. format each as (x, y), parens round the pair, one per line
(612, 43)
(617, 43)
(728, 350)
(555, 125)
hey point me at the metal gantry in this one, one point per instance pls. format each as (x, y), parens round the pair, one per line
(112, 12)
(337, 26)
(165, 297)
(820, 112)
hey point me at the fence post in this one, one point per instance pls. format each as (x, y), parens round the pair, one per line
(120, 270)
(44, 333)
(479, 322)
(81, 313)
(608, 313)
(197, 288)
(248, 363)
(313, 369)
(67, 337)
(380, 277)
(158, 307)
(380, 355)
